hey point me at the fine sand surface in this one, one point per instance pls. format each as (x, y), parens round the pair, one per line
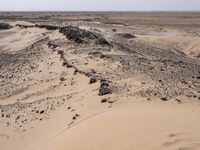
(121, 81)
(134, 125)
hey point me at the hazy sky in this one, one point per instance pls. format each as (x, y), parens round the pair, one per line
(95, 5)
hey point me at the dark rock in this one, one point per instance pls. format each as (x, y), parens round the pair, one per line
(8, 116)
(48, 27)
(126, 35)
(164, 99)
(82, 36)
(17, 118)
(4, 26)
(25, 26)
(110, 101)
(62, 79)
(103, 56)
(65, 63)
(178, 100)
(104, 83)
(76, 116)
(114, 30)
(52, 45)
(95, 53)
(93, 79)
(42, 111)
(90, 73)
(76, 71)
(104, 88)
(61, 52)
(198, 78)
(104, 100)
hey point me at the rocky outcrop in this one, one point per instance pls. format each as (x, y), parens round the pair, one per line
(48, 27)
(4, 26)
(82, 36)
(104, 88)
(23, 26)
(126, 35)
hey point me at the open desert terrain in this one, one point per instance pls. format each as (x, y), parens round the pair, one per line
(99, 80)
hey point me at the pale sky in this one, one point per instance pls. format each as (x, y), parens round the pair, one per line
(98, 5)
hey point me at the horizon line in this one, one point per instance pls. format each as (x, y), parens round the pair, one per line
(99, 10)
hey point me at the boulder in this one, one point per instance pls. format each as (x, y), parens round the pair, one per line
(93, 79)
(104, 88)
(4, 26)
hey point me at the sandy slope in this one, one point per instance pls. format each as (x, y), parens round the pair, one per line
(134, 125)
(48, 103)
(189, 46)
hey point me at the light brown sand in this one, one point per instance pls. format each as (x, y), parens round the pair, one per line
(134, 125)
(46, 106)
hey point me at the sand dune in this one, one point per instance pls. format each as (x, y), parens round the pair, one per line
(69, 83)
(133, 125)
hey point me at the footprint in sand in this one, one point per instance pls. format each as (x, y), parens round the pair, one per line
(176, 140)
(172, 142)
(173, 139)
(185, 148)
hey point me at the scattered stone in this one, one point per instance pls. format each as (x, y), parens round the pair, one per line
(198, 78)
(90, 73)
(104, 88)
(93, 79)
(104, 100)
(75, 117)
(164, 99)
(52, 45)
(95, 53)
(17, 118)
(62, 79)
(65, 63)
(114, 30)
(60, 52)
(8, 116)
(22, 26)
(42, 111)
(178, 100)
(104, 83)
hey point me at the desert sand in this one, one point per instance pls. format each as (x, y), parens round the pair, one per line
(93, 81)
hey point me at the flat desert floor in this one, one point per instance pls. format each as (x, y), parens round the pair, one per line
(99, 80)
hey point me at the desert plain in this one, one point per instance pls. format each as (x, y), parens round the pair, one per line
(99, 80)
